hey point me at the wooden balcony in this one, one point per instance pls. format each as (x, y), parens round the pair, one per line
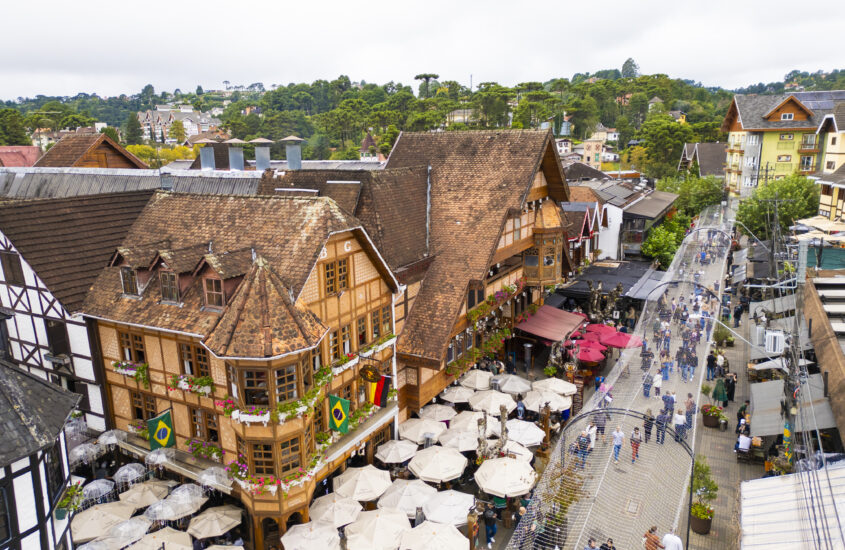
(807, 147)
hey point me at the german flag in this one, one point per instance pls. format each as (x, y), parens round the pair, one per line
(378, 391)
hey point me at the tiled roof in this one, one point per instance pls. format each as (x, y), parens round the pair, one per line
(19, 155)
(711, 158)
(577, 171)
(68, 150)
(581, 193)
(32, 412)
(476, 177)
(343, 186)
(68, 241)
(288, 233)
(261, 319)
(753, 108)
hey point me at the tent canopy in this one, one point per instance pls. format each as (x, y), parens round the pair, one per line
(765, 406)
(551, 323)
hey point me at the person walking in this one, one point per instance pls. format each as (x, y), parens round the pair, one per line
(520, 407)
(490, 524)
(601, 423)
(591, 432)
(711, 365)
(636, 439)
(657, 381)
(618, 439)
(671, 541)
(648, 424)
(607, 545)
(650, 540)
(692, 362)
(690, 411)
(720, 364)
(582, 447)
(740, 414)
(730, 385)
(591, 544)
(679, 421)
(720, 394)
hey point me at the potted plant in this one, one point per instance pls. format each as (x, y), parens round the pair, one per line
(729, 341)
(70, 501)
(704, 491)
(720, 335)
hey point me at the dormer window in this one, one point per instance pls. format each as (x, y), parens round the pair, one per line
(214, 293)
(129, 280)
(786, 116)
(169, 287)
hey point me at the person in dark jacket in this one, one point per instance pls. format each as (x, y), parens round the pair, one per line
(648, 424)
(730, 385)
(711, 365)
(661, 421)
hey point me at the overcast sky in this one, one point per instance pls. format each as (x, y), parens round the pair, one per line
(108, 47)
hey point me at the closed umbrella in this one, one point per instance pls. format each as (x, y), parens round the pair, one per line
(519, 451)
(433, 536)
(365, 483)
(335, 509)
(438, 412)
(124, 533)
(144, 494)
(311, 535)
(111, 438)
(406, 495)
(456, 394)
(85, 453)
(489, 401)
(536, 399)
(129, 473)
(590, 355)
(159, 457)
(462, 440)
(521, 431)
(417, 429)
(377, 530)
(510, 383)
(215, 477)
(621, 340)
(600, 328)
(437, 464)
(467, 421)
(215, 521)
(396, 451)
(505, 477)
(97, 488)
(96, 520)
(477, 379)
(449, 507)
(168, 538)
(556, 385)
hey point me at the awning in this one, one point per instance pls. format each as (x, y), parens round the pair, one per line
(551, 323)
(774, 511)
(740, 256)
(555, 300)
(739, 274)
(776, 305)
(779, 363)
(645, 285)
(765, 406)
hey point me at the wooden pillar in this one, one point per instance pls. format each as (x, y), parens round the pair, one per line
(370, 452)
(472, 529)
(304, 514)
(258, 532)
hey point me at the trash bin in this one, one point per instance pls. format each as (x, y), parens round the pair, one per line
(723, 425)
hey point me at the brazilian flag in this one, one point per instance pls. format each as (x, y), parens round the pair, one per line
(339, 413)
(161, 430)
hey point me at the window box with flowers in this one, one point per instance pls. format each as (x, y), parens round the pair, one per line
(139, 428)
(205, 449)
(346, 361)
(251, 414)
(255, 485)
(139, 371)
(495, 300)
(385, 342)
(202, 385)
(70, 502)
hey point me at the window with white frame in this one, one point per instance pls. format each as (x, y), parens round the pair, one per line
(786, 116)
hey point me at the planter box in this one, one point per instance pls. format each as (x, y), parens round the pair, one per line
(250, 418)
(125, 372)
(710, 421)
(386, 344)
(61, 513)
(249, 486)
(367, 353)
(348, 365)
(700, 526)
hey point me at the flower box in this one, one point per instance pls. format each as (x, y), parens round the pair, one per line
(367, 352)
(386, 344)
(128, 371)
(338, 368)
(255, 488)
(247, 418)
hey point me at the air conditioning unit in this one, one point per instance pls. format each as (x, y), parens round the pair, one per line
(760, 336)
(775, 341)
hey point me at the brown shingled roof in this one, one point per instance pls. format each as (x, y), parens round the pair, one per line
(582, 193)
(476, 177)
(68, 241)
(344, 188)
(71, 148)
(261, 319)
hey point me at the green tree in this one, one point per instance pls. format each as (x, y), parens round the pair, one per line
(12, 130)
(177, 131)
(426, 80)
(76, 120)
(134, 134)
(694, 193)
(320, 146)
(660, 245)
(585, 115)
(199, 90)
(664, 139)
(626, 131)
(630, 69)
(800, 198)
(111, 132)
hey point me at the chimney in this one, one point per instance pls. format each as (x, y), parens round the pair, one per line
(293, 152)
(207, 158)
(262, 153)
(236, 154)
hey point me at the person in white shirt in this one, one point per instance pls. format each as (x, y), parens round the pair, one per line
(618, 439)
(591, 431)
(657, 381)
(671, 541)
(743, 443)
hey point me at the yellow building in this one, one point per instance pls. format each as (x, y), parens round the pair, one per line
(831, 177)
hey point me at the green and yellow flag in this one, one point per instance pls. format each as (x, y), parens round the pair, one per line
(339, 413)
(161, 431)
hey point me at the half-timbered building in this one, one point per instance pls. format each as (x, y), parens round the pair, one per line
(33, 464)
(51, 251)
(241, 314)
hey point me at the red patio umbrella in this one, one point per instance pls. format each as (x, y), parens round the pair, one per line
(590, 355)
(576, 334)
(591, 336)
(621, 340)
(592, 344)
(600, 328)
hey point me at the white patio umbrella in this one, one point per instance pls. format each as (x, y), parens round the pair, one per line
(129, 473)
(85, 453)
(334, 509)
(456, 394)
(555, 385)
(365, 483)
(510, 384)
(505, 477)
(449, 507)
(521, 431)
(416, 429)
(377, 530)
(468, 421)
(490, 400)
(171, 509)
(311, 535)
(97, 488)
(96, 520)
(536, 399)
(433, 536)
(462, 440)
(477, 379)
(188, 491)
(438, 412)
(215, 477)
(396, 451)
(144, 494)
(520, 451)
(124, 533)
(168, 538)
(406, 495)
(437, 464)
(215, 521)
(110, 438)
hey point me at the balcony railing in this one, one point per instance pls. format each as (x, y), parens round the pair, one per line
(808, 146)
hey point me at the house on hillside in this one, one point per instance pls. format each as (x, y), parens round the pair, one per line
(590, 151)
(88, 151)
(653, 102)
(156, 123)
(709, 158)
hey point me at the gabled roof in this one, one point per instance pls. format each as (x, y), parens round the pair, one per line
(476, 178)
(68, 241)
(653, 205)
(367, 142)
(581, 193)
(789, 99)
(577, 171)
(834, 121)
(71, 148)
(710, 157)
(261, 319)
(19, 155)
(751, 110)
(32, 412)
